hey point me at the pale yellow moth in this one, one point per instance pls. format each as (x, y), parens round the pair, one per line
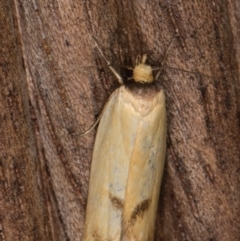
(128, 161)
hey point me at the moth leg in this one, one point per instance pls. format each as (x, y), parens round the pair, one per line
(164, 59)
(98, 119)
(119, 77)
(91, 128)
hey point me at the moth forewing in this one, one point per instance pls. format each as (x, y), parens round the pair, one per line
(127, 163)
(146, 162)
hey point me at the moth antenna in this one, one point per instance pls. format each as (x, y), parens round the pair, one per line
(128, 67)
(118, 76)
(164, 59)
(202, 74)
(66, 70)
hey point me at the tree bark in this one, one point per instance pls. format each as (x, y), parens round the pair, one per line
(199, 199)
(21, 206)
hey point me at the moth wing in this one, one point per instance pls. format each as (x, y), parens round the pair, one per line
(127, 165)
(107, 178)
(146, 165)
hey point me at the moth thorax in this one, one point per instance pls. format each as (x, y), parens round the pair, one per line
(143, 73)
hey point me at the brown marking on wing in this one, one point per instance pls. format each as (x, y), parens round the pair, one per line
(116, 202)
(139, 210)
(96, 236)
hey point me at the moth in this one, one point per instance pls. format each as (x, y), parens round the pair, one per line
(128, 160)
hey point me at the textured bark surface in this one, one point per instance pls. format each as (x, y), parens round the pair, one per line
(21, 207)
(200, 198)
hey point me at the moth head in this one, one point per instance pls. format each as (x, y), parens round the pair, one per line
(142, 72)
